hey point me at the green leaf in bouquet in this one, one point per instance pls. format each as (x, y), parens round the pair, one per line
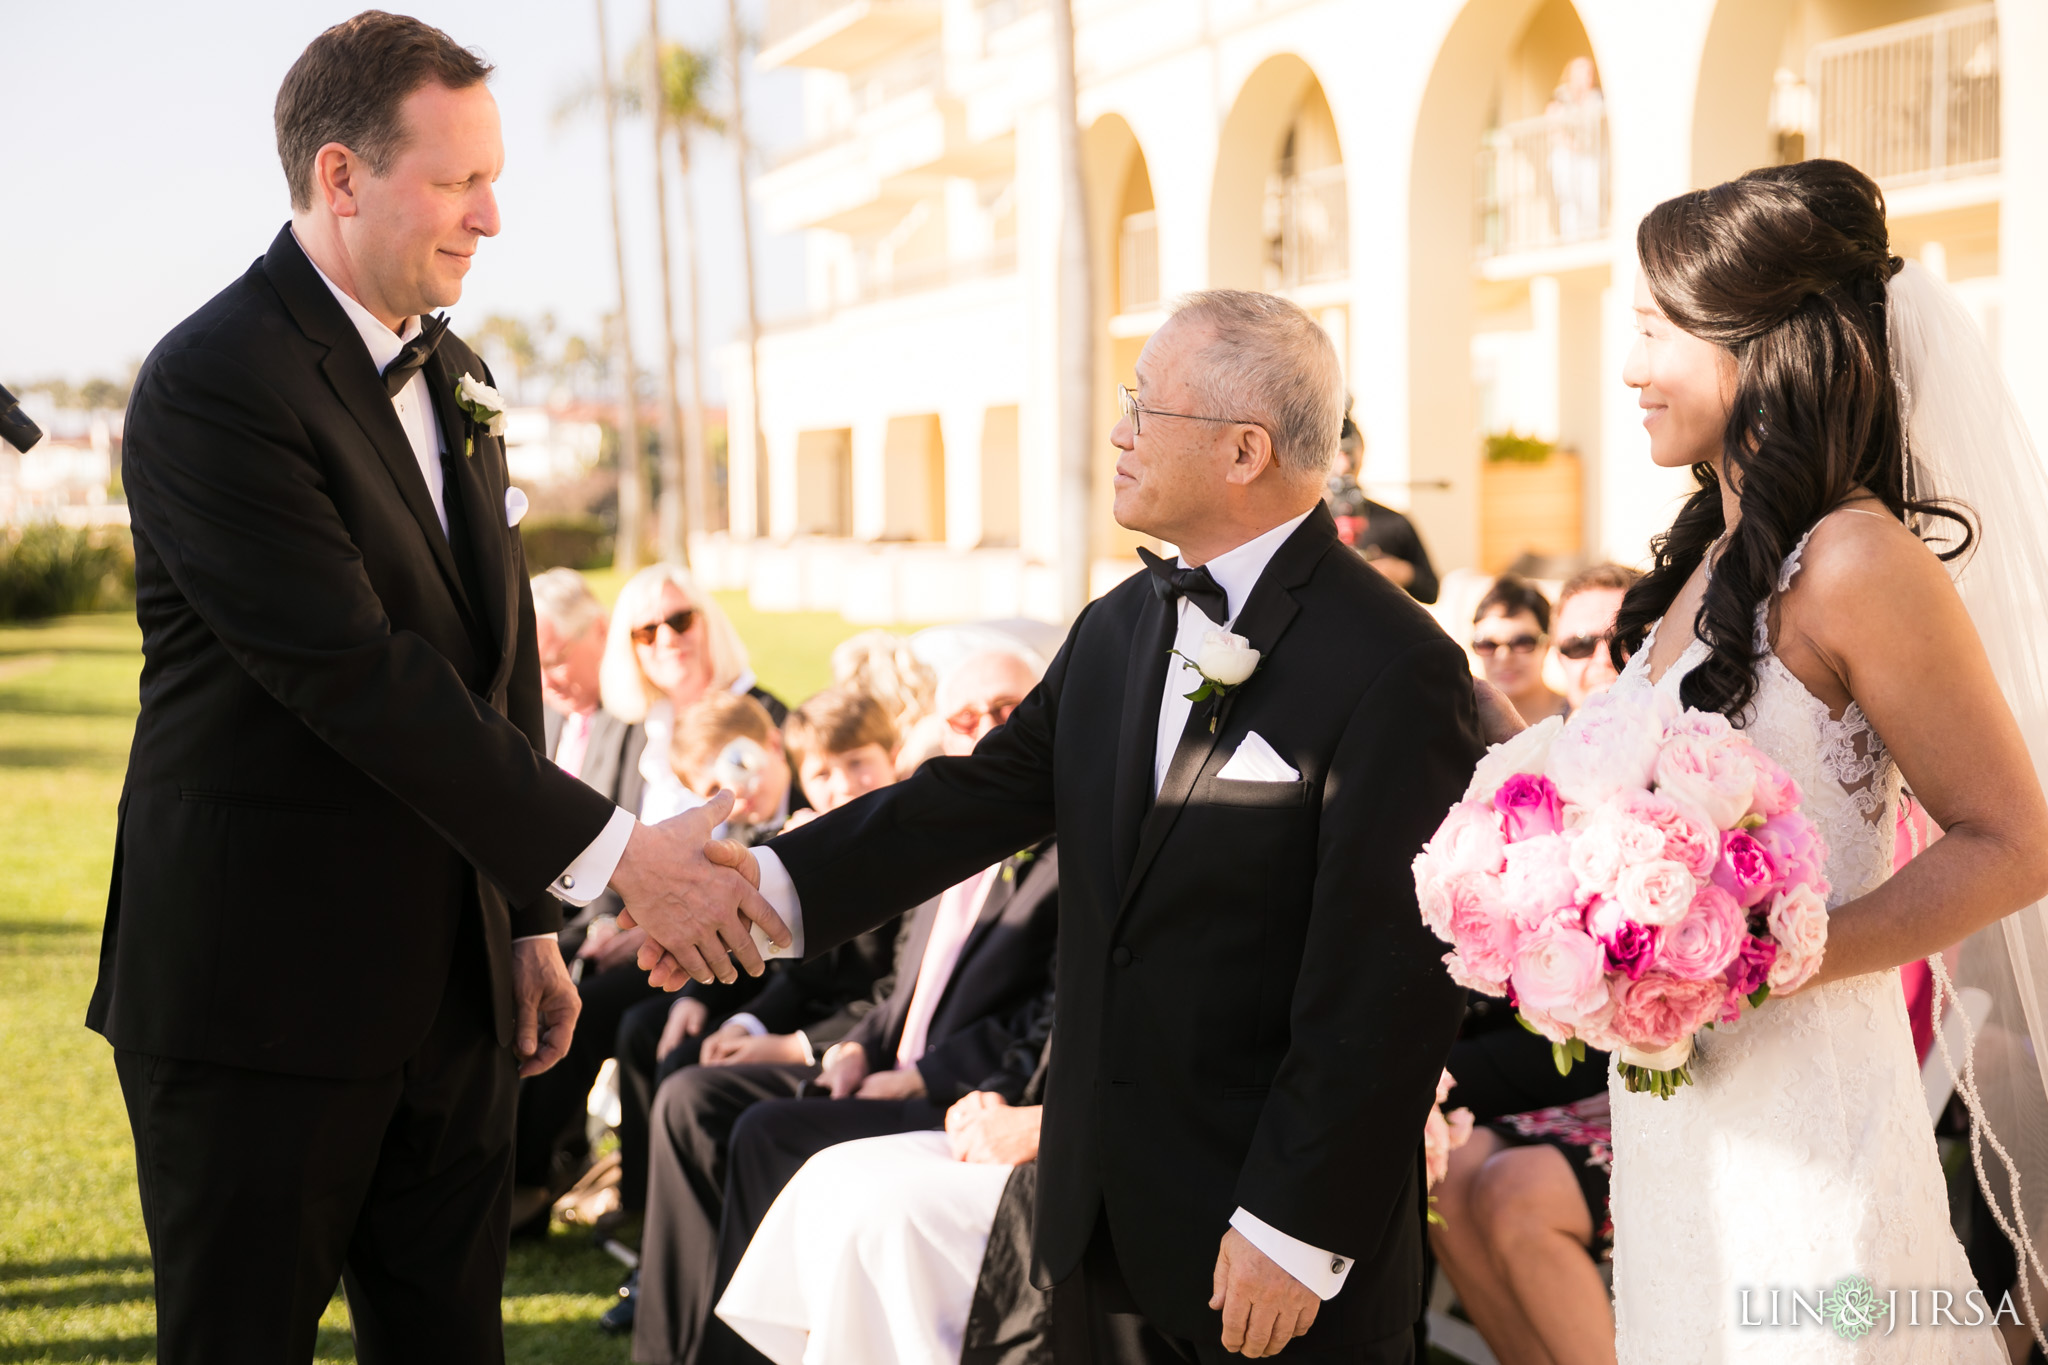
(1561, 1054)
(1759, 995)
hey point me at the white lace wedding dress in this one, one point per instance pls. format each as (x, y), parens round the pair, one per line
(1802, 1152)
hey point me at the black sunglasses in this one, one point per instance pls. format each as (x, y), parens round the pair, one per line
(1521, 644)
(1582, 646)
(677, 621)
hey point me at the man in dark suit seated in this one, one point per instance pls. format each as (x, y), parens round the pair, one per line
(586, 742)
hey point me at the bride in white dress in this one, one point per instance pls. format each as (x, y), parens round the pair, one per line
(1791, 595)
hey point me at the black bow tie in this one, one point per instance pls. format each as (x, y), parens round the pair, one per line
(416, 354)
(1197, 585)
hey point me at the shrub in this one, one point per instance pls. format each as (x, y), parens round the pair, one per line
(1505, 447)
(48, 570)
(566, 542)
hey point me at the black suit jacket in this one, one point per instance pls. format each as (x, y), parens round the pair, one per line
(1251, 1011)
(338, 747)
(1004, 966)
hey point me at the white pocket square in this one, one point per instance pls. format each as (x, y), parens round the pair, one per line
(1255, 761)
(515, 506)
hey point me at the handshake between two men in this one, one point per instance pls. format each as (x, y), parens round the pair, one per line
(698, 898)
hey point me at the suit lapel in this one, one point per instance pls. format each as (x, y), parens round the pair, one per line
(484, 509)
(1266, 614)
(601, 758)
(1138, 733)
(355, 379)
(1000, 893)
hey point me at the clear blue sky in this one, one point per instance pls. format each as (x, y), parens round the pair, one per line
(139, 174)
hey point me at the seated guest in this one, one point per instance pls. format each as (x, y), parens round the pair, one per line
(1586, 606)
(842, 745)
(669, 646)
(588, 742)
(728, 743)
(1509, 631)
(973, 958)
(914, 1247)
(880, 663)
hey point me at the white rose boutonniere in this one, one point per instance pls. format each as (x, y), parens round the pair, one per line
(1224, 661)
(483, 406)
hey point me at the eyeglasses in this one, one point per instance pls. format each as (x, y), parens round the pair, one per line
(1582, 646)
(677, 621)
(1128, 403)
(968, 718)
(1521, 644)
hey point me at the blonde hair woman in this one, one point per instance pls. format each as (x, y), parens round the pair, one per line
(669, 645)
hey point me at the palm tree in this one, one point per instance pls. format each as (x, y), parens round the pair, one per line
(1075, 328)
(669, 537)
(632, 480)
(736, 54)
(685, 77)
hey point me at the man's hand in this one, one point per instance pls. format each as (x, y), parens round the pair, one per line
(686, 1019)
(546, 1001)
(1499, 721)
(844, 1067)
(985, 1131)
(696, 911)
(904, 1083)
(1263, 1306)
(734, 1046)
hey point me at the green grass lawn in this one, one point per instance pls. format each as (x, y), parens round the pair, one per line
(74, 1268)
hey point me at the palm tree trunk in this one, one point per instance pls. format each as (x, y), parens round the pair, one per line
(669, 507)
(735, 52)
(695, 473)
(632, 528)
(1075, 329)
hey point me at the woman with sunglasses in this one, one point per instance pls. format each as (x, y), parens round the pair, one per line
(1509, 632)
(669, 645)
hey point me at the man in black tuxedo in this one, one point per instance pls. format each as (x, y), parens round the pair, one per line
(338, 751)
(1253, 1017)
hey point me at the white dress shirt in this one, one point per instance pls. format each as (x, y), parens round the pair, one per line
(585, 878)
(1237, 572)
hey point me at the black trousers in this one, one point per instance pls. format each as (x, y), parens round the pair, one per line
(1096, 1319)
(552, 1105)
(640, 1076)
(260, 1190)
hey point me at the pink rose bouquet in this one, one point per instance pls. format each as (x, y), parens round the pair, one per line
(1627, 878)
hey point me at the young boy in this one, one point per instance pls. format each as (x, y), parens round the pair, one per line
(726, 742)
(842, 744)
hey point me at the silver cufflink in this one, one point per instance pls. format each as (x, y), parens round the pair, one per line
(568, 882)
(1336, 1265)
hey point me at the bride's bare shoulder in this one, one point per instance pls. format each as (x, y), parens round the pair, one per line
(1861, 557)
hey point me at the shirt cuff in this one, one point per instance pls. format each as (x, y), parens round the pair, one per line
(780, 893)
(528, 938)
(1321, 1271)
(584, 880)
(748, 1022)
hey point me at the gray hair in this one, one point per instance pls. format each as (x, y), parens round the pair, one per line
(565, 600)
(1270, 360)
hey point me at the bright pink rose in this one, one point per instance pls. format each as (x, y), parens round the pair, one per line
(1468, 840)
(1703, 943)
(1656, 892)
(1752, 966)
(1689, 837)
(1554, 967)
(1776, 792)
(1607, 746)
(1799, 922)
(1658, 1010)
(1745, 870)
(1714, 776)
(1529, 806)
(1797, 848)
(1538, 880)
(1631, 948)
(1485, 935)
(1731, 1008)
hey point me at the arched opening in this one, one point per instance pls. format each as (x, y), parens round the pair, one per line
(1905, 90)
(1509, 259)
(1279, 212)
(1124, 237)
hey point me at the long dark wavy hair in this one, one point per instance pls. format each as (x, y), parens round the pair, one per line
(1786, 267)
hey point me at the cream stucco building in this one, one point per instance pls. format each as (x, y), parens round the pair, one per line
(1442, 182)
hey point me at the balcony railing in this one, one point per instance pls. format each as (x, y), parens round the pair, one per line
(1308, 228)
(873, 285)
(1137, 266)
(843, 34)
(1543, 182)
(1912, 102)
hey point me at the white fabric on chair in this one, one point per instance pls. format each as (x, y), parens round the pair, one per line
(870, 1253)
